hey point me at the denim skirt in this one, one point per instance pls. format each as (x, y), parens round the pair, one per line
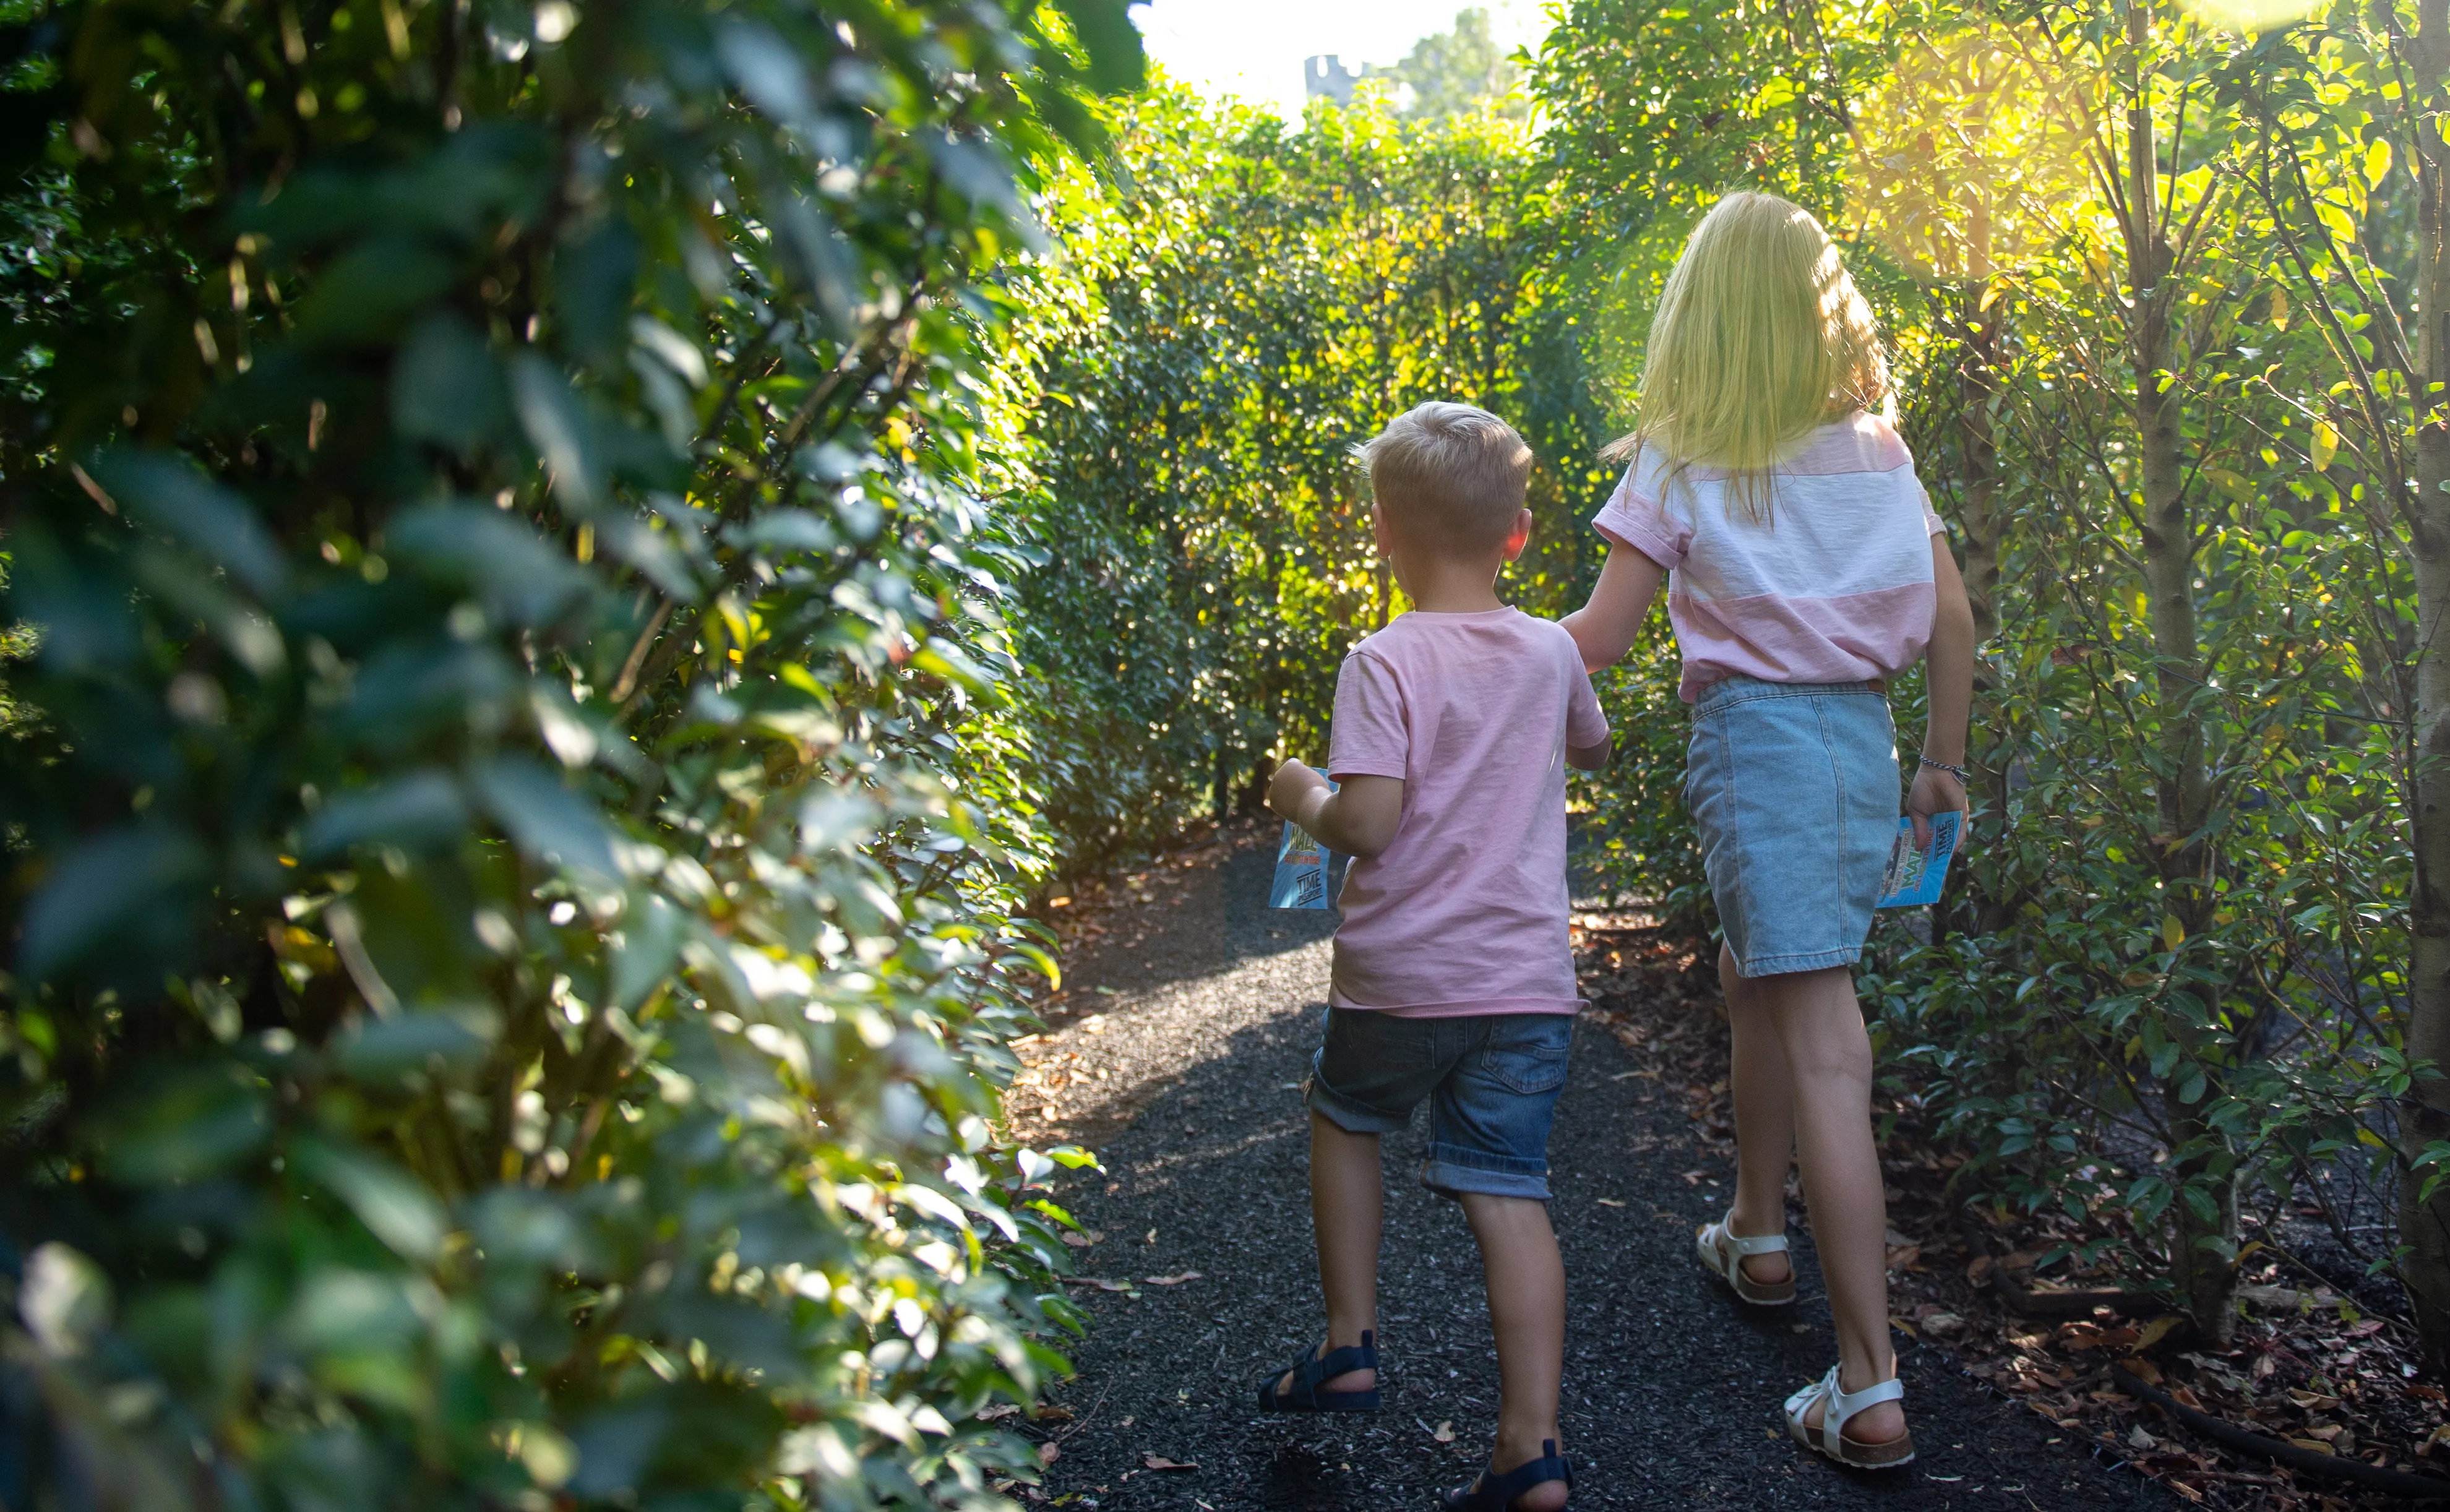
(1793, 787)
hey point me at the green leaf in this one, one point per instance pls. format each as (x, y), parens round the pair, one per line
(591, 288)
(420, 811)
(562, 431)
(650, 943)
(386, 1050)
(521, 579)
(372, 291)
(168, 493)
(390, 1202)
(549, 821)
(1118, 57)
(446, 385)
(182, 1125)
(127, 889)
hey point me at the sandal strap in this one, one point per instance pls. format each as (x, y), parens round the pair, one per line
(1850, 1403)
(1312, 1368)
(1493, 1492)
(1838, 1406)
(1756, 1244)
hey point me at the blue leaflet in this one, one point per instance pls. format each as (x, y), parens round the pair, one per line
(1304, 872)
(1914, 876)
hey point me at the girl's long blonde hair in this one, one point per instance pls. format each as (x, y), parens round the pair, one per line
(1759, 338)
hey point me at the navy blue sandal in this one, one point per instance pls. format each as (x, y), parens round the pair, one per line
(1493, 1492)
(1314, 1368)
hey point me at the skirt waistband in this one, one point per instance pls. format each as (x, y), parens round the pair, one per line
(1742, 690)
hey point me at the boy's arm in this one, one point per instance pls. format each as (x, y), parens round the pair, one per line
(1603, 629)
(1358, 818)
(1948, 677)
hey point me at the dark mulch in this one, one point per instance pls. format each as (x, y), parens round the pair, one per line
(1671, 1388)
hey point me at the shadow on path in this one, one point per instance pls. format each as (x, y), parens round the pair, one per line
(1671, 1387)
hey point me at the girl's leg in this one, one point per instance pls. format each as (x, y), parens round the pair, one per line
(1346, 1209)
(1764, 1093)
(1829, 1058)
(1527, 1313)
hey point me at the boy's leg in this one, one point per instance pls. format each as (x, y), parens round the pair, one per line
(1527, 1311)
(1346, 1204)
(1829, 1057)
(1762, 1090)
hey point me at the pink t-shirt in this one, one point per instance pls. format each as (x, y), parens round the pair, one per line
(1836, 589)
(1465, 911)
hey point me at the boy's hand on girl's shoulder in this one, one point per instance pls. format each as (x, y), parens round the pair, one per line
(1288, 789)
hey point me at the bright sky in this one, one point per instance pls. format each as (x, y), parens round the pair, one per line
(1254, 48)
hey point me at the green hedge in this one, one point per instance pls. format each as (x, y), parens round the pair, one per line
(509, 780)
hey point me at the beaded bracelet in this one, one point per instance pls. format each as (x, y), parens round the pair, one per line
(1958, 772)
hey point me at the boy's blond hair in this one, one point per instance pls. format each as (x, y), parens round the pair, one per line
(1453, 472)
(1760, 337)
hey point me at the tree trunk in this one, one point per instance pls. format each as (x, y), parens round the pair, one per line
(2202, 1247)
(1977, 386)
(2424, 1227)
(1982, 530)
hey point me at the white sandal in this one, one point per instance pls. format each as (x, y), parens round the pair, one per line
(1841, 1406)
(1722, 1252)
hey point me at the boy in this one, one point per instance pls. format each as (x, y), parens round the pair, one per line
(1454, 975)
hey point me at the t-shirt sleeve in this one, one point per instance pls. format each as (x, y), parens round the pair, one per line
(1372, 737)
(1585, 724)
(1637, 515)
(1932, 523)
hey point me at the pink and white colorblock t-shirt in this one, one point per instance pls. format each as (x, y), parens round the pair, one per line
(1837, 588)
(1464, 912)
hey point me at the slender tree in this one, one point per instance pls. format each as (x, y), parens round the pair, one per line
(2425, 1220)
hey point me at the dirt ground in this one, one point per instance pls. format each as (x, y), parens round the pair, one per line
(1176, 1049)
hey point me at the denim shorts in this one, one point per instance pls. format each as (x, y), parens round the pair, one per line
(1793, 787)
(1492, 1080)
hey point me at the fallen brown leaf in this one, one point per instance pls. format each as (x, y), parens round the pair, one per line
(1159, 1461)
(1444, 1433)
(1172, 1281)
(1049, 1452)
(1610, 1202)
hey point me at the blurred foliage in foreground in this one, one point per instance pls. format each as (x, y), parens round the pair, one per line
(510, 812)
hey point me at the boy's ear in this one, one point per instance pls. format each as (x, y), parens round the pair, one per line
(1522, 536)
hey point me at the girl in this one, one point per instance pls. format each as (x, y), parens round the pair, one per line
(1805, 567)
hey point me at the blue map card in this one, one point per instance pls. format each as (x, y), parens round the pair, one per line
(1914, 875)
(1304, 872)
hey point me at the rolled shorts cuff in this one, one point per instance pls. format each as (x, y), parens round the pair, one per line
(1349, 1115)
(1452, 1171)
(1789, 965)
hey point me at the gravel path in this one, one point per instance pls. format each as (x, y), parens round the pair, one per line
(1177, 1047)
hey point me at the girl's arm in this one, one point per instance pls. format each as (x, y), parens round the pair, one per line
(1604, 628)
(1949, 684)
